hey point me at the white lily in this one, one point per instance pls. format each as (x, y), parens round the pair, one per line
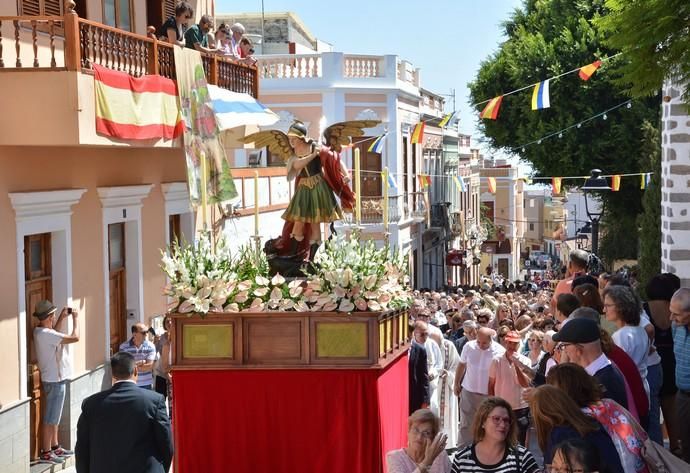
(242, 297)
(361, 304)
(261, 291)
(278, 280)
(346, 305)
(374, 305)
(262, 281)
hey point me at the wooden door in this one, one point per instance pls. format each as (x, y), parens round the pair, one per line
(117, 270)
(174, 229)
(155, 13)
(503, 267)
(370, 164)
(38, 286)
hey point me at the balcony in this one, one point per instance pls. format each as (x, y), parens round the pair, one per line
(328, 70)
(60, 50)
(372, 210)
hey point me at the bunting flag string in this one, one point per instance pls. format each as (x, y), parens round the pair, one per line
(447, 119)
(418, 134)
(376, 146)
(460, 183)
(540, 96)
(644, 180)
(492, 108)
(587, 71)
(492, 184)
(556, 185)
(391, 180)
(616, 183)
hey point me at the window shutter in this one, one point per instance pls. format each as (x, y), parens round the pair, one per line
(168, 9)
(30, 7)
(52, 7)
(41, 7)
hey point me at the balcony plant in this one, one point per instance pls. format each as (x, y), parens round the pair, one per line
(348, 276)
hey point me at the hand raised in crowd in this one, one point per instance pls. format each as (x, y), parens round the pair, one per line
(433, 448)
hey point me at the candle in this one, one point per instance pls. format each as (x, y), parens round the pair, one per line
(385, 199)
(204, 190)
(358, 187)
(256, 203)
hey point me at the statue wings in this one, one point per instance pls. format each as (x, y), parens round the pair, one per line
(340, 134)
(276, 140)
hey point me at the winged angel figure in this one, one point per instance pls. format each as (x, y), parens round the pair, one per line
(322, 190)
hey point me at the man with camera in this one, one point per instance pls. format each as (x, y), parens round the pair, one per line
(54, 368)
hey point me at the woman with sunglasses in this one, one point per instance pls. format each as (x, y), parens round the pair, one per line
(495, 448)
(425, 451)
(174, 28)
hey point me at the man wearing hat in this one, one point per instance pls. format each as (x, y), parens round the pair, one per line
(507, 380)
(580, 340)
(54, 370)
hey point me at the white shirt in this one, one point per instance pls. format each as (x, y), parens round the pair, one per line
(434, 361)
(506, 384)
(477, 362)
(635, 342)
(596, 365)
(652, 358)
(49, 353)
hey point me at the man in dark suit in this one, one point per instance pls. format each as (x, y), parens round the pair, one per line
(418, 372)
(124, 429)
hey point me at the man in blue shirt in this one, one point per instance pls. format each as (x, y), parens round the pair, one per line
(144, 353)
(680, 318)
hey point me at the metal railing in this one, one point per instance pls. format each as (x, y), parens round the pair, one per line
(372, 210)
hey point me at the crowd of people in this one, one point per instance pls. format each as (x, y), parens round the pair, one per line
(227, 40)
(583, 376)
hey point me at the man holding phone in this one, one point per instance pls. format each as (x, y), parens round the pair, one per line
(54, 368)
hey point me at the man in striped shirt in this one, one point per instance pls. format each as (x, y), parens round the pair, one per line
(144, 353)
(680, 318)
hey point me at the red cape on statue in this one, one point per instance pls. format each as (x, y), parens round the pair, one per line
(332, 174)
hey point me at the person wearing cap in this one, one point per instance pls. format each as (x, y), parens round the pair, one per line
(507, 380)
(580, 340)
(54, 370)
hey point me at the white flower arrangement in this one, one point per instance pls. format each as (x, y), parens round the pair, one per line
(349, 276)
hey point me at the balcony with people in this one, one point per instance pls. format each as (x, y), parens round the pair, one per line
(46, 69)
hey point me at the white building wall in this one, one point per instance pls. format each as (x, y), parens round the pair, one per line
(675, 192)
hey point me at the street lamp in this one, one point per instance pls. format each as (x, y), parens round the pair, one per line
(593, 185)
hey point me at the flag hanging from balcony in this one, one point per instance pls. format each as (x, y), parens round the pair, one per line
(377, 145)
(135, 108)
(391, 181)
(459, 183)
(587, 71)
(556, 185)
(644, 180)
(234, 109)
(201, 135)
(491, 109)
(615, 183)
(424, 180)
(447, 119)
(540, 96)
(418, 134)
(492, 185)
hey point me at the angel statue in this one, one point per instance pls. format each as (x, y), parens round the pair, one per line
(321, 193)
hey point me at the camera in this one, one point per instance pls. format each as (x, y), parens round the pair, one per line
(69, 310)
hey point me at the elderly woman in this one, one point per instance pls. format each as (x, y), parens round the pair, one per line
(502, 313)
(623, 307)
(495, 446)
(547, 361)
(425, 451)
(534, 343)
(626, 434)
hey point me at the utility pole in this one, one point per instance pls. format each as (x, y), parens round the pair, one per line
(263, 34)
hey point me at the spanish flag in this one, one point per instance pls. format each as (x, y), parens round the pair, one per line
(424, 180)
(587, 71)
(540, 96)
(556, 185)
(491, 109)
(615, 183)
(492, 185)
(418, 134)
(136, 108)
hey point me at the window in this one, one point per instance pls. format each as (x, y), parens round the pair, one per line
(118, 13)
(41, 7)
(531, 227)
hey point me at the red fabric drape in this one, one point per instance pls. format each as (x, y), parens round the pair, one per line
(271, 421)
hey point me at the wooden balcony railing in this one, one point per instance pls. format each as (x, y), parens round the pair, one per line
(84, 42)
(372, 210)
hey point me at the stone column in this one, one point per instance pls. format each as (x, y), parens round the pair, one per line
(675, 178)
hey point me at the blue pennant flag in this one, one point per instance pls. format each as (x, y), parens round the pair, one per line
(377, 145)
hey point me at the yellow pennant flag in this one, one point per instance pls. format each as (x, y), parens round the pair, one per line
(615, 183)
(556, 185)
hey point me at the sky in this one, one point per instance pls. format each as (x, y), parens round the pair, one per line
(446, 39)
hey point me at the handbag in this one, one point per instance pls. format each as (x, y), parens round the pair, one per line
(660, 460)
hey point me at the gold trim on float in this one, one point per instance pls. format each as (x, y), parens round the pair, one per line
(208, 341)
(389, 335)
(341, 340)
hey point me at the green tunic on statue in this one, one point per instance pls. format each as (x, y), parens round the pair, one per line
(314, 201)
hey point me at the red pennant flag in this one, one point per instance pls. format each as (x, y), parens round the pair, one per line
(492, 185)
(587, 71)
(418, 133)
(491, 109)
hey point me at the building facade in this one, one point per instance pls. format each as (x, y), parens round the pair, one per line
(675, 179)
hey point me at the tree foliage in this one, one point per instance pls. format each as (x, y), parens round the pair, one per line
(654, 36)
(649, 221)
(546, 38)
